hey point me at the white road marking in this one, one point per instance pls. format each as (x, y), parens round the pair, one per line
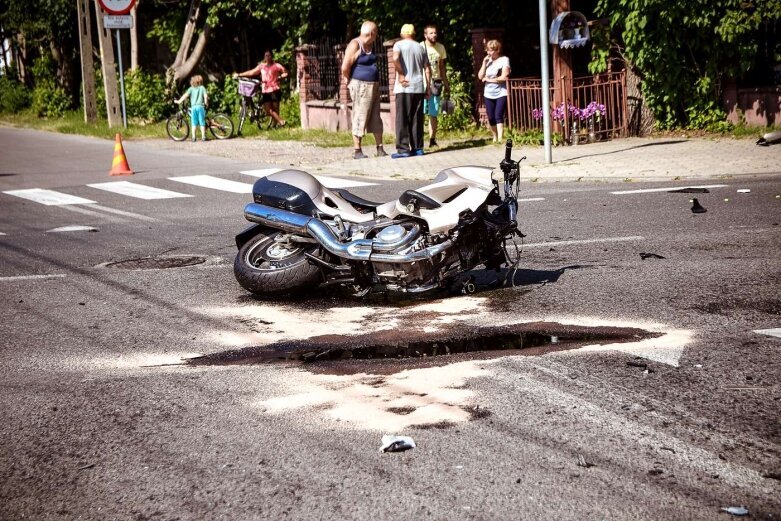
(84, 211)
(776, 332)
(72, 228)
(48, 197)
(1, 233)
(584, 241)
(530, 199)
(136, 190)
(670, 189)
(327, 181)
(33, 277)
(132, 215)
(207, 181)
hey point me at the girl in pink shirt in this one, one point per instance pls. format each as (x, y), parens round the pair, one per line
(270, 73)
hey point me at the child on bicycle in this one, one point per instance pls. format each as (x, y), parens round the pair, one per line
(198, 103)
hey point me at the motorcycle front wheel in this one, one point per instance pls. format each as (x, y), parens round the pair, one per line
(265, 266)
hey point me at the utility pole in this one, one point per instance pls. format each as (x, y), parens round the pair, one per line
(109, 71)
(87, 65)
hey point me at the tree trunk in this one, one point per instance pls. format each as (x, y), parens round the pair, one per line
(87, 65)
(109, 71)
(134, 38)
(187, 61)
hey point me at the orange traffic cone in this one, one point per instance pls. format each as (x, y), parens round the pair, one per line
(119, 166)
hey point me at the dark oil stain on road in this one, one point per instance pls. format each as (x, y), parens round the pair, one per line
(389, 351)
(158, 263)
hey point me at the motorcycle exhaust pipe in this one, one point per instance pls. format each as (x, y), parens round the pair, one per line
(360, 250)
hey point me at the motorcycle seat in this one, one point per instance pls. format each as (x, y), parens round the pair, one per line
(354, 200)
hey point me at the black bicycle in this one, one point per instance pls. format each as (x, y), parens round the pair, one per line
(178, 125)
(251, 107)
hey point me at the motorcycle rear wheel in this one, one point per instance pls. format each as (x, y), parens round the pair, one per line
(266, 267)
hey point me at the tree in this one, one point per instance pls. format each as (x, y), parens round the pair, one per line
(683, 51)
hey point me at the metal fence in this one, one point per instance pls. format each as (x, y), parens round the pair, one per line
(327, 54)
(524, 95)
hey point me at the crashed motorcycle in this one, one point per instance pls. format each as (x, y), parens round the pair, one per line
(305, 235)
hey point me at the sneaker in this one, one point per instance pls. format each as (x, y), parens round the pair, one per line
(194, 140)
(419, 152)
(399, 155)
(359, 155)
(432, 143)
(381, 152)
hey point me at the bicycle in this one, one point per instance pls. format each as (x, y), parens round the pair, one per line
(178, 125)
(249, 89)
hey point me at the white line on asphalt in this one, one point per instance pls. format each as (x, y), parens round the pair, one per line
(132, 215)
(207, 181)
(33, 277)
(84, 211)
(670, 189)
(584, 241)
(136, 190)
(327, 181)
(771, 332)
(72, 228)
(48, 197)
(530, 199)
(1, 233)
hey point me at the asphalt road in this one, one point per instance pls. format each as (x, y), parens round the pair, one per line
(99, 419)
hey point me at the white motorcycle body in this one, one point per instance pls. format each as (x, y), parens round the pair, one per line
(307, 234)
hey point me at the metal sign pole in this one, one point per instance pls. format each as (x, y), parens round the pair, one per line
(121, 79)
(545, 81)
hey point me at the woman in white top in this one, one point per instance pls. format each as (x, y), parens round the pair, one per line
(494, 73)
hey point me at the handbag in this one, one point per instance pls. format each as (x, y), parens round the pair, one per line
(436, 88)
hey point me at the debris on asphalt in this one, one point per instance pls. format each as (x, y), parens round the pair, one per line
(641, 365)
(650, 256)
(655, 472)
(690, 190)
(391, 443)
(736, 511)
(770, 138)
(744, 191)
(772, 475)
(583, 463)
(697, 207)
(85, 467)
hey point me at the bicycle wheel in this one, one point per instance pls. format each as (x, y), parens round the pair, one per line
(242, 114)
(177, 127)
(262, 119)
(221, 126)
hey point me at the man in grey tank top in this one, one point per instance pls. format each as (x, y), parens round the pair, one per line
(413, 81)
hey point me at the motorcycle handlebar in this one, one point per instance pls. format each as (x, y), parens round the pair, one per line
(508, 150)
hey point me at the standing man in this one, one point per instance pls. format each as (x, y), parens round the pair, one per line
(413, 83)
(359, 68)
(439, 84)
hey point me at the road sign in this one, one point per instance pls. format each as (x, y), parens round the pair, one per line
(116, 7)
(124, 21)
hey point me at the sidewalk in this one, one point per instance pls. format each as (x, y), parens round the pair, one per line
(632, 159)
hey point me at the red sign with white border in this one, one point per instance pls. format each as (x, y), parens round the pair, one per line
(116, 7)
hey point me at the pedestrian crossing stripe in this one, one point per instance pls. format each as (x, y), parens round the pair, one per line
(48, 197)
(136, 190)
(216, 183)
(327, 181)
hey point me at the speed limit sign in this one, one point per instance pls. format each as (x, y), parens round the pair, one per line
(117, 6)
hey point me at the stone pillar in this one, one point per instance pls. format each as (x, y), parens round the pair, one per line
(391, 82)
(479, 38)
(345, 113)
(304, 81)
